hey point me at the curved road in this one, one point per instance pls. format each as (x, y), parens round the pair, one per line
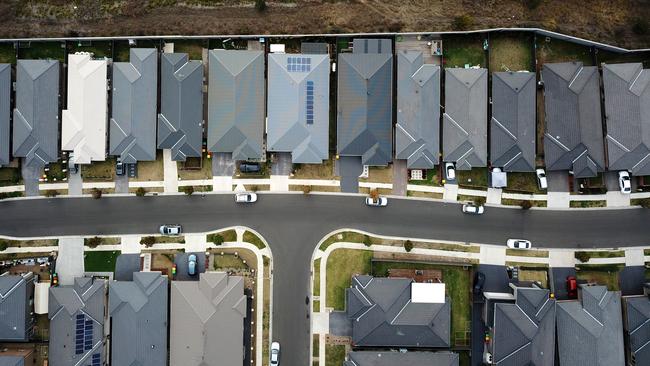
(293, 224)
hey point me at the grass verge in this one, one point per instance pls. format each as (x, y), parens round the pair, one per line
(334, 355)
(342, 264)
(250, 237)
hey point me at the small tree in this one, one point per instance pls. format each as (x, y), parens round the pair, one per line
(188, 190)
(148, 241)
(478, 200)
(3, 245)
(306, 189)
(93, 242)
(140, 192)
(408, 245)
(260, 5)
(374, 194)
(216, 239)
(525, 204)
(583, 257)
(96, 193)
(51, 193)
(645, 202)
(254, 188)
(463, 22)
(367, 241)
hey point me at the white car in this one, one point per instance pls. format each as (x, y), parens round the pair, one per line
(246, 197)
(624, 182)
(519, 244)
(470, 208)
(541, 178)
(450, 171)
(275, 354)
(378, 202)
(171, 230)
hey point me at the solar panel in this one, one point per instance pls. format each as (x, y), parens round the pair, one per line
(79, 334)
(298, 64)
(96, 359)
(309, 117)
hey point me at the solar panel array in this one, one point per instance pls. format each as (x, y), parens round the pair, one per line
(298, 64)
(310, 103)
(83, 334)
(96, 360)
(88, 335)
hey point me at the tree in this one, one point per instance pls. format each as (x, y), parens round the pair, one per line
(3, 245)
(306, 189)
(188, 190)
(148, 241)
(216, 239)
(374, 194)
(51, 193)
(478, 200)
(583, 256)
(140, 192)
(96, 193)
(525, 204)
(367, 241)
(260, 5)
(93, 242)
(408, 245)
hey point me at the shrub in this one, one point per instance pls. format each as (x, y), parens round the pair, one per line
(645, 202)
(148, 241)
(216, 239)
(188, 190)
(583, 256)
(640, 26)
(260, 5)
(306, 189)
(525, 205)
(478, 200)
(374, 193)
(532, 4)
(93, 242)
(3, 245)
(51, 193)
(254, 188)
(140, 192)
(408, 245)
(96, 193)
(463, 22)
(366, 241)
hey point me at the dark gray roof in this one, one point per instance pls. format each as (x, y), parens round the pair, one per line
(627, 112)
(464, 123)
(524, 332)
(574, 135)
(77, 309)
(5, 97)
(314, 48)
(236, 103)
(36, 116)
(16, 293)
(512, 127)
(292, 126)
(382, 314)
(12, 361)
(417, 133)
(138, 312)
(125, 265)
(365, 107)
(590, 333)
(637, 319)
(180, 122)
(372, 45)
(133, 122)
(370, 358)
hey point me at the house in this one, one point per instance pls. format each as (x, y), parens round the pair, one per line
(464, 123)
(17, 356)
(512, 127)
(417, 133)
(76, 316)
(236, 103)
(5, 106)
(298, 106)
(636, 324)
(573, 140)
(135, 95)
(180, 121)
(83, 129)
(365, 102)
(627, 113)
(16, 307)
(36, 115)
(521, 326)
(376, 358)
(590, 329)
(138, 313)
(207, 320)
(398, 312)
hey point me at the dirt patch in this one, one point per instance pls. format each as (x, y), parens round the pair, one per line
(151, 170)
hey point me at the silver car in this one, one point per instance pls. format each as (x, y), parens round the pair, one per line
(275, 354)
(191, 264)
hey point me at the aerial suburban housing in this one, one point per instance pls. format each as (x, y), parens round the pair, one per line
(16, 307)
(236, 103)
(180, 121)
(464, 123)
(636, 323)
(5, 106)
(373, 358)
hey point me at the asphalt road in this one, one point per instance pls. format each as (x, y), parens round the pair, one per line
(293, 224)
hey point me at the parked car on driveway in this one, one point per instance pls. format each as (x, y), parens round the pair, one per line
(376, 202)
(249, 168)
(542, 183)
(275, 354)
(624, 182)
(119, 167)
(450, 171)
(191, 264)
(479, 282)
(171, 230)
(245, 197)
(572, 287)
(470, 208)
(519, 244)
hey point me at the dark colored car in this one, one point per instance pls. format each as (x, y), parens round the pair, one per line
(119, 168)
(479, 281)
(249, 168)
(572, 287)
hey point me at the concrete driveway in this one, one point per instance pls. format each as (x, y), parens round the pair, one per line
(281, 164)
(349, 169)
(400, 177)
(223, 165)
(31, 176)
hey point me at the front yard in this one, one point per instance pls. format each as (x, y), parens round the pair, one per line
(476, 178)
(342, 264)
(606, 275)
(100, 261)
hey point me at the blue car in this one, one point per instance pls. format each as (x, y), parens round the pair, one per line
(191, 264)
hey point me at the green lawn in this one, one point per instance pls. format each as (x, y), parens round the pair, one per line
(228, 261)
(99, 171)
(249, 237)
(342, 264)
(98, 48)
(229, 235)
(432, 179)
(193, 47)
(474, 178)
(10, 176)
(317, 277)
(458, 283)
(509, 202)
(100, 261)
(346, 236)
(458, 51)
(523, 183)
(562, 51)
(43, 50)
(587, 204)
(604, 254)
(527, 253)
(334, 355)
(7, 53)
(511, 52)
(606, 275)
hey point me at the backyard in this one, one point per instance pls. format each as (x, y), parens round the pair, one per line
(193, 47)
(100, 261)
(459, 51)
(511, 52)
(98, 48)
(554, 50)
(42, 50)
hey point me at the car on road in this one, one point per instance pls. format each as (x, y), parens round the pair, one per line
(191, 264)
(624, 182)
(542, 183)
(249, 168)
(245, 197)
(470, 208)
(171, 230)
(275, 354)
(572, 287)
(479, 282)
(376, 202)
(450, 171)
(519, 244)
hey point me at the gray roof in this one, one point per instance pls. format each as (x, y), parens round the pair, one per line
(125, 265)
(417, 133)
(314, 48)
(133, 122)
(77, 322)
(297, 121)
(236, 103)
(382, 314)
(12, 361)
(637, 319)
(590, 333)
(5, 98)
(138, 312)
(372, 45)
(464, 123)
(36, 116)
(207, 324)
(180, 121)
(512, 127)
(524, 332)
(370, 358)
(627, 111)
(16, 293)
(365, 107)
(574, 135)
